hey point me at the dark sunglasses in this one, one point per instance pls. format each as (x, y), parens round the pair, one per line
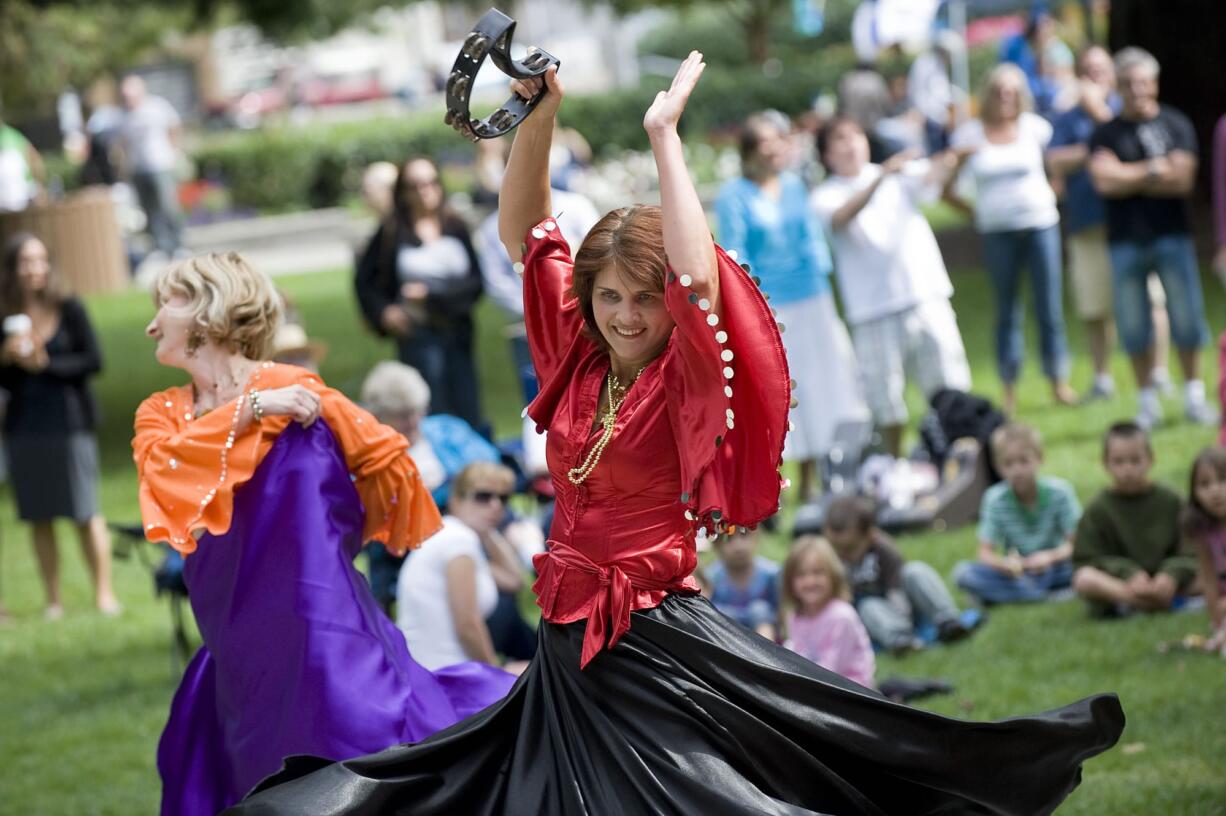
(487, 496)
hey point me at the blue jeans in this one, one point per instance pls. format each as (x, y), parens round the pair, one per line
(994, 586)
(382, 573)
(159, 198)
(1038, 250)
(444, 358)
(1173, 257)
(513, 638)
(889, 626)
(522, 356)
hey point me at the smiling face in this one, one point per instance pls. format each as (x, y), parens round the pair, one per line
(482, 507)
(33, 268)
(1007, 91)
(1139, 90)
(170, 328)
(812, 585)
(1209, 490)
(770, 155)
(631, 319)
(479, 495)
(1097, 67)
(846, 149)
(423, 192)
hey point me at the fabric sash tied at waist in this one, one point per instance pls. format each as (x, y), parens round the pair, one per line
(615, 586)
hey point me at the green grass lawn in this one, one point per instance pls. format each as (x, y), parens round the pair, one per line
(82, 700)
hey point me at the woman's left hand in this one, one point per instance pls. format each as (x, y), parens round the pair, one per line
(28, 355)
(297, 402)
(415, 290)
(666, 110)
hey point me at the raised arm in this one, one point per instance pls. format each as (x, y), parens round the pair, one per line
(524, 199)
(949, 192)
(687, 238)
(859, 199)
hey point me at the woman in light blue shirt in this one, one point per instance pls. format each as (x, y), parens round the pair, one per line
(764, 218)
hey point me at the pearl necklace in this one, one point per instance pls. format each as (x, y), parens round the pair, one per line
(617, 396)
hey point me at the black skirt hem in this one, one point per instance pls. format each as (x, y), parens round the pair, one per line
(691, 713)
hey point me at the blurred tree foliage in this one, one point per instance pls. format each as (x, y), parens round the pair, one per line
(48, 45)
(744, 31)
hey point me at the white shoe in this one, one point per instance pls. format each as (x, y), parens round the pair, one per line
(1149, 416)
(1160, 379)
(1201, 413)
(1100, 391)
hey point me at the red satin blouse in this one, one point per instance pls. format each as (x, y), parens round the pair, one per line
(697, 442)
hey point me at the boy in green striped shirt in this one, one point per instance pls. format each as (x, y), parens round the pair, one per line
(1026, 526)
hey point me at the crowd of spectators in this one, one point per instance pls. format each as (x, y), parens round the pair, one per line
(1069, 162)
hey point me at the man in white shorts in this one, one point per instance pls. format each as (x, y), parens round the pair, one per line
(892, 279)
(1085, 222)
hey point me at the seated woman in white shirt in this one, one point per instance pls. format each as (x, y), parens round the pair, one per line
(440, 444)
(447, 588)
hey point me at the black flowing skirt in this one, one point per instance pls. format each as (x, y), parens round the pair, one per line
(689, 714)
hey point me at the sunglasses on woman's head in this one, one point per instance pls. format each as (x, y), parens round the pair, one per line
(487, 496)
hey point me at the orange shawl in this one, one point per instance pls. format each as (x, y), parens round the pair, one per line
(183, 489)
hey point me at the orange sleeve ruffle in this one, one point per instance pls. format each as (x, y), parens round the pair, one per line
(400, 512)
(188, 475)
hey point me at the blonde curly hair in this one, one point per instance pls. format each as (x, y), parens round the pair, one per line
(232, 304)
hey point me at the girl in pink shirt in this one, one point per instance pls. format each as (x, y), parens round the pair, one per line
(821, 624)
(1204, 524)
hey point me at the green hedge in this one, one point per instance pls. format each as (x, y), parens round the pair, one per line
(721, 102)
(287, 168)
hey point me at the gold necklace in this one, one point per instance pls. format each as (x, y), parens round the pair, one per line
(617, 396)
(216, 391)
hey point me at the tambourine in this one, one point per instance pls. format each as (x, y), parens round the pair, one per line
(492, 36)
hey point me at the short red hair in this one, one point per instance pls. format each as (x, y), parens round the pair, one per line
(631, 240)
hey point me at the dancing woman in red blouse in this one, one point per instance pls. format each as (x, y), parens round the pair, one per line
(665, 393)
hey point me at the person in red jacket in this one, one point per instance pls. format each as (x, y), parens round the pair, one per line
(665, 391)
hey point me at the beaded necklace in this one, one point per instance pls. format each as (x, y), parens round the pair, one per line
(617, 396)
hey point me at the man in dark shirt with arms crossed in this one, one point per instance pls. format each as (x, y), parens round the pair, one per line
(1143, 163)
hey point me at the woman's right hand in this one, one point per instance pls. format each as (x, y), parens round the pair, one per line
(395, 320)
(295, 401)
(528, 88)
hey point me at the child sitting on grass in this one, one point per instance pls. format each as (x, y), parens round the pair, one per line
(745, 585)
(1026, 526)
(821, 624)
(888, 591)
(1129, 552)
(1204, 524)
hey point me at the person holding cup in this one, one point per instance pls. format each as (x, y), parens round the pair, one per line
(49, 354)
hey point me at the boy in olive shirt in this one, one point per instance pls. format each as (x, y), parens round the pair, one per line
(1128, 551)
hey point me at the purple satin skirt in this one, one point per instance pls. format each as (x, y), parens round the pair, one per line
(297, 656)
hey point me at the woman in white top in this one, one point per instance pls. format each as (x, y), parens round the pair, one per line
(1015, 211)
(449, 587)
